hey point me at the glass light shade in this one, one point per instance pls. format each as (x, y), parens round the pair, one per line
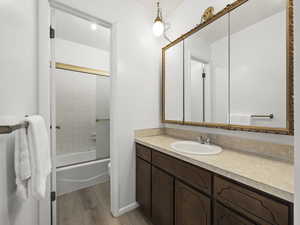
(158, 28)
(94, 26)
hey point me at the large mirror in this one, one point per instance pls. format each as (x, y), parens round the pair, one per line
(173, 83)
(206, 74)
(234, 71)
(258, 64)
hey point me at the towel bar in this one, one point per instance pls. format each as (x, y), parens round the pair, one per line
(271, 116)
(10, 129)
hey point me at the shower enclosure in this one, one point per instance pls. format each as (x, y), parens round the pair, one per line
(82, 102)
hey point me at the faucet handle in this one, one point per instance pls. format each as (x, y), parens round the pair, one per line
(204, 139)
(207, 141)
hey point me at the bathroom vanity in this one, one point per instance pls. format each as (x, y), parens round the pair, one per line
(234, 71)
(173, 189)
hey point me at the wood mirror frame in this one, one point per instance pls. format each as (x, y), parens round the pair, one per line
(289, 130)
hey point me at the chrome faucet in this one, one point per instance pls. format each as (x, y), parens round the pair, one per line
(204, 139)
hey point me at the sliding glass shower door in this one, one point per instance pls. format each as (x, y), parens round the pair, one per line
(82, 84)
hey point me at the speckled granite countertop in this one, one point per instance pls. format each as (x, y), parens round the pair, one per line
(271, 176)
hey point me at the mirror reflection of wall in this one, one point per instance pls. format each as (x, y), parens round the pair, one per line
(174, 83)
(195, 94)
(206, 74)
(235, 70)
(258, 59)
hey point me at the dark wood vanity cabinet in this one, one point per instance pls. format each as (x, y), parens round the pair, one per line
(173, 192)
(191, 206)
(224, 216)
(144, 153)
(192, 175)
(162, 197)
(143, 185)
(254, 205)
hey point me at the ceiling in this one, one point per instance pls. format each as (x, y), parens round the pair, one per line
(168, 6)
(78, 30)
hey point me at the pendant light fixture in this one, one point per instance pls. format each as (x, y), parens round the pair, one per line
(158, 26)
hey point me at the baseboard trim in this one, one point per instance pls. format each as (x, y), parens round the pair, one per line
(128, 208)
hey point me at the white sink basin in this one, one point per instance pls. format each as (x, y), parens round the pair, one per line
(196, 148)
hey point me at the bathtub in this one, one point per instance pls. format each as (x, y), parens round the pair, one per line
(76, 177)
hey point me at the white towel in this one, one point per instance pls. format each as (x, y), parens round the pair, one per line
(21, 155)
(22, 163)
(39, 147)
(240, 119)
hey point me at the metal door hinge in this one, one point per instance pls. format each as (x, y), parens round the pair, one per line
(53, 196)
(57, 127)
(52, 33)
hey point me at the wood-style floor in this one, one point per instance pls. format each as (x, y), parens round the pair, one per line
(91, 206)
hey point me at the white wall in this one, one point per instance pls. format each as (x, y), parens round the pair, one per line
(18, 97)
(297, 110)
(185, 17)
(136, 99)
(73, 53)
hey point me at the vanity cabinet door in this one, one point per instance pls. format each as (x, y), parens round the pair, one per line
(224, 216)
(250, 203)
(143, 186)
(162, 198)
(191, 207)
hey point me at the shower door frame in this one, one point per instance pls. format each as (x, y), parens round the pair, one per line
(46, 92)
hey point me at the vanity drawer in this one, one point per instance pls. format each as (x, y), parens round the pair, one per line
(143, 152)
(194, 176)
(254, 205)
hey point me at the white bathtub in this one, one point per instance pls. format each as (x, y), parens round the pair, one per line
(76, 177)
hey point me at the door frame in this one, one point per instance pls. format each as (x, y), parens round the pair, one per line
(46, 88)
